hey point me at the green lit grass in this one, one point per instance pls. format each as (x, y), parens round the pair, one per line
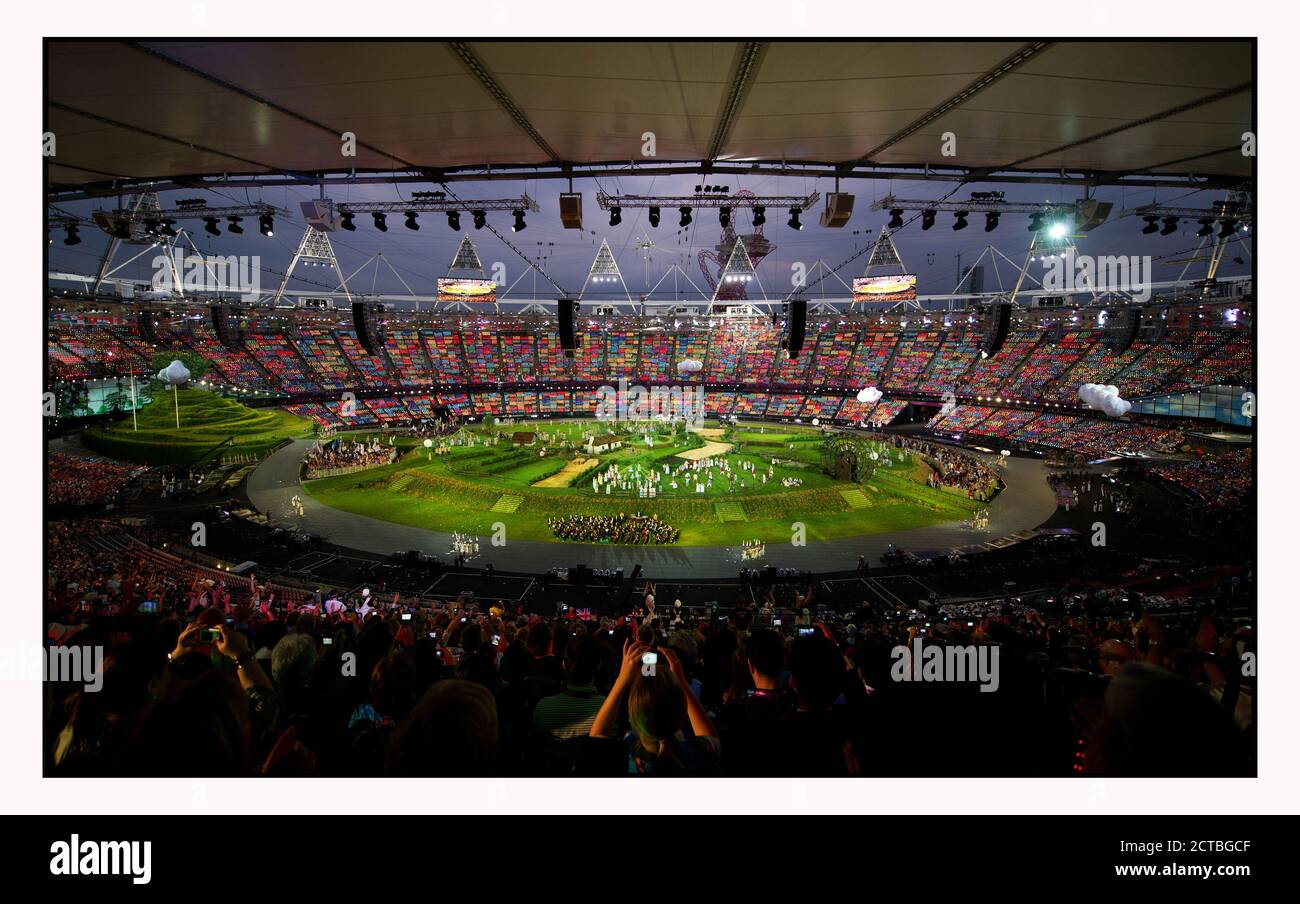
(455, 492)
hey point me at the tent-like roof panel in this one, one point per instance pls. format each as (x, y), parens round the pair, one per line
(167, 110)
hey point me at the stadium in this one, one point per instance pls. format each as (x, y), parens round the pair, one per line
(624, 408)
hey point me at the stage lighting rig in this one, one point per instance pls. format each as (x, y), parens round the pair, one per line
(710, 196)
(1077, 216)
(427, 201)
(1228, 214)
(143, 223)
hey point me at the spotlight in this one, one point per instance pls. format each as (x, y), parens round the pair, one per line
(959, 220)
(896, 218)
(151, 227)
(480, 218)
(1207, 226)
(453, 220)
(1036, 221)
(793, 222)
(1150, 226)
(724, 216)
(233, 227)
(266, 225)
(1227, 228)
(411, 220)
(654, 217)
(927, 219)
(760, 216)
(615, 216)
(210, 226)
(168, 227)
(991, 220)
(1057, 230)
(686, 217)
(381, 221)
(346, 221)
(73, 236)
(519, 221)
(1170, 227)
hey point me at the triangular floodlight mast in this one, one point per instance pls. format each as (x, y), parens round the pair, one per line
(604, 269)
(739, 267)
(884, 253)
(466, 260)
(314, 248)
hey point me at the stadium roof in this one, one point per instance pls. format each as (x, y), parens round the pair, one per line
(1102, 111)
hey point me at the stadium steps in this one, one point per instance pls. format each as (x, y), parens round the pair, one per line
(730, 511)
(855, 499)
(507, 504)
(401, 483)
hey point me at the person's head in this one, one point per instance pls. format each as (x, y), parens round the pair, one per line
(765, 652)
(580, 660)
(656, 708)
(1113, 655)
(292, 661)
(1155, 722)
(392, 685)
(201, 727)
(539, 640)
(816, 671)
(451, 731)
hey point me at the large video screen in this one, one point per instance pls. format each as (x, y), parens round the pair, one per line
(885, 288)
(472, 290)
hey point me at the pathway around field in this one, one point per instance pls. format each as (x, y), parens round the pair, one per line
(564, 477)
(1027, 502)
(709, 450)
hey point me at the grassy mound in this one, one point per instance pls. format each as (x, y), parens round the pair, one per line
(210, 426)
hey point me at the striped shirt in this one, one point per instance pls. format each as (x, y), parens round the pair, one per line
(569, 713)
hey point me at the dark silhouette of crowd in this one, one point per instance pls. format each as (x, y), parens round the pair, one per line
(1103, 681)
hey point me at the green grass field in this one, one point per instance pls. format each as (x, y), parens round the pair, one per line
(457, 491)
(207, 421)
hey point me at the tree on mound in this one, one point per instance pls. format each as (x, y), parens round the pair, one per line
(849, 458)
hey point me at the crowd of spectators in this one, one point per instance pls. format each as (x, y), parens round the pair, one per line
(636, 530)
(953, 467)
(89, 481)
(1103, 681)
(1221, 480)
(341, 453)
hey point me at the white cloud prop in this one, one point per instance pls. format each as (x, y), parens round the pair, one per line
(1104, 398)
(689, 366)
(174, 374)
(869, 395)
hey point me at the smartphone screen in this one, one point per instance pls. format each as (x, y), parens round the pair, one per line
(406, 616)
